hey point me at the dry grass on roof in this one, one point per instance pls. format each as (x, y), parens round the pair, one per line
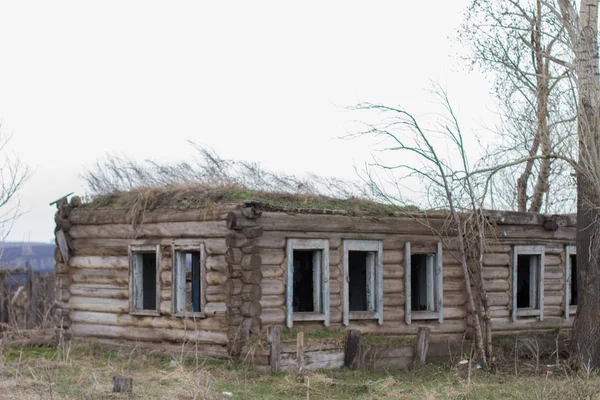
(187, 197)
(207, 180)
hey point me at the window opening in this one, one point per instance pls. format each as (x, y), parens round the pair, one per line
(422, 282)
(188, 282)
(145, 280)
(527, 281)
(307, 281)
(361, 283)
(573, 300)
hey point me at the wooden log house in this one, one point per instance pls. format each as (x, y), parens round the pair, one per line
(215, 273)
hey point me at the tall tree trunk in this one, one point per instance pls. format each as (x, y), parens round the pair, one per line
(586, 328)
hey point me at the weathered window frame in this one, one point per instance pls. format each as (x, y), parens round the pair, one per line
(183, 248)
(374, 280)
(536, 250)
(134, 250)
(569, 309)
(438, 289)
(321, 245)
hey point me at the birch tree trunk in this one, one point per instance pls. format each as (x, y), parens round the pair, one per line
(583, 30)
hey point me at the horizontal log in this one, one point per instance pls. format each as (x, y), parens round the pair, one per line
(216, 263)
(272, 316)
(529, 324)
(215, 278)
(272, 302)
(119, 247)
(455, 272)
(498, 299)
(334, 272)
(394, 256)
(128, 320)
(99, 276)
(496, 285)
(98, 304)
(393, 271)
(393, 286)
(338, 223)
(99, 262)
(551, 299)
(148, 334)
(100, 216)
(271, 271)
(496, 272)
(208, 229)
(211, 309)
(100, 291)
(496, 259)
(272, 256)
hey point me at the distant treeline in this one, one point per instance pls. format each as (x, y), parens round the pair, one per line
(17, 254)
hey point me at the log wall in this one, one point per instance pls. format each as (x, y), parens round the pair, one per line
(246, 271)
(93, 280)
(509, 229)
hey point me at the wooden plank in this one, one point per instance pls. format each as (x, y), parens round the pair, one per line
(274, 335)
(61, 240)
(352, 349)
(514, 284)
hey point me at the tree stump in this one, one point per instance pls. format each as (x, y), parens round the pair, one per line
(122, 384)
(352, 349)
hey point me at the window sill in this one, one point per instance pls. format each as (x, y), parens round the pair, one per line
(421, 315)
(308, 316)
(146, 313)
(190, 315)
(572, 309)
(363, 315)
(528, 312)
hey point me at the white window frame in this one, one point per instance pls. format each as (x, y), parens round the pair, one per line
(374, 279)
(435, 289)
(538, 274)
(321, 281)
(569, 309)
(135, 290)
(178, 274)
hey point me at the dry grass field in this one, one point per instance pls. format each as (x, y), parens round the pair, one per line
(84, 371)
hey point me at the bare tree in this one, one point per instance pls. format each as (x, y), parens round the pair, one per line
(582, 27)
(437, 157)
(13, 175)
(524, 45)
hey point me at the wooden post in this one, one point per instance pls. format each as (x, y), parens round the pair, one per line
(300, 356)
(122, 384)
(34, 299)
(274, 342)
(29, 308)
(422, 346)
(352, 349)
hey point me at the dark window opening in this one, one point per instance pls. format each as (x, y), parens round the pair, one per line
(192, 281)
(421, 282)
(358, 280)
(148, 281)
(527, 285)
(307, 275)
(573, 261)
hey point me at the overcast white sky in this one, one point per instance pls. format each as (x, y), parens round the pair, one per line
(260, 81)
